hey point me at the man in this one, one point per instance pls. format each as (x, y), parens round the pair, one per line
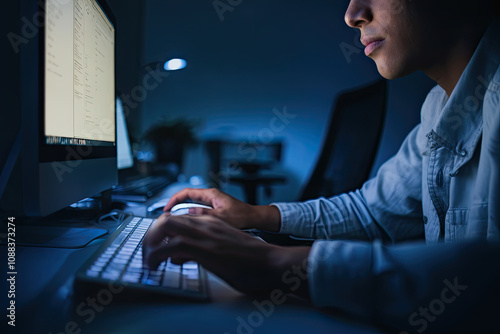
(443, 185)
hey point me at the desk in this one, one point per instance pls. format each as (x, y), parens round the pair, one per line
(46, 303)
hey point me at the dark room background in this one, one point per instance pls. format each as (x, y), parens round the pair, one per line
(247, 60)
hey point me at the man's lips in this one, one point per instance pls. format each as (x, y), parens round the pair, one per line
(371, 44)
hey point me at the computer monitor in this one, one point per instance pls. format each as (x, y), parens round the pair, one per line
(68, 104)
(125, 158)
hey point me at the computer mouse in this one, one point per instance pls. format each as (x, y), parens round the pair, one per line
(183, 208)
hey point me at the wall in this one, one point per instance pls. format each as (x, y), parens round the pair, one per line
(129, 16)
(261, 56)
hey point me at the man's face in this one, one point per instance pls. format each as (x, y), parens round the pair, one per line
(402, 36)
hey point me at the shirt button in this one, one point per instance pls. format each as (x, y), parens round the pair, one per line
(462, 153)
(425, 220)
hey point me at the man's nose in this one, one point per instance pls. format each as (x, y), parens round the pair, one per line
(358, 13)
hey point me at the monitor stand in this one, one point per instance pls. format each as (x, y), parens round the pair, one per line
(68, 228)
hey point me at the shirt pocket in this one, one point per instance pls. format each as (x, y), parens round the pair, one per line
(456, 224)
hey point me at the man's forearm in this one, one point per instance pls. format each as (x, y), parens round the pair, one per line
(267, 218)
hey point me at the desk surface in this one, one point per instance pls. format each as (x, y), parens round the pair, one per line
(45, 303)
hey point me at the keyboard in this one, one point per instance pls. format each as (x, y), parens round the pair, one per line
(119, 261)
(140, 190)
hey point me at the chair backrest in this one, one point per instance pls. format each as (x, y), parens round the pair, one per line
(351, 143)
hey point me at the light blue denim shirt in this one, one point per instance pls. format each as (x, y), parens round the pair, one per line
(443, 185)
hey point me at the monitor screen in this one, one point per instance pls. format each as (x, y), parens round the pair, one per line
(79, 80)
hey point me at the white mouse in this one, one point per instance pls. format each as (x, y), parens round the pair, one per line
(183, 208)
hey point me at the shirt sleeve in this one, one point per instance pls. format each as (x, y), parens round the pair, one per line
(411, 286)
(387, 207)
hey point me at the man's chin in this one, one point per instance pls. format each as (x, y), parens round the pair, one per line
(391, 72)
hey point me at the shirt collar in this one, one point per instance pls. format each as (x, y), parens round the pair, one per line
(459, 125)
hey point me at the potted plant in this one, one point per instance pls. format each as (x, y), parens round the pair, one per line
(170, 137)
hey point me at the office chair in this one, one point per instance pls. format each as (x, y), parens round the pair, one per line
(348, 151)
(351, 143)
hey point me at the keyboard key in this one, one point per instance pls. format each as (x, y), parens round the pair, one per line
(113, 275)
(96, 268)
(101, 262)
(115, 267)
(122, 256)
(131, 278)
(120, 261)
(134, 270)
(190, 265)
(171, 279)
(136, 262)
(92, 273)
(173, 267)
(151, 277)
(190, 283)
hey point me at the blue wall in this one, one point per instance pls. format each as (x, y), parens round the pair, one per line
(265, 55)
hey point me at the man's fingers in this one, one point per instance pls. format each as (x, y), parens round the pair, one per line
(157, 232)
(163, 231)
(155, 255)
(154, 237)
(201, 211)
(178, 248)
(169, 226)
(179, 197)
(198, 195)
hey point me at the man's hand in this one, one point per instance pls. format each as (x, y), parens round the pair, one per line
(237, 213)
(246, 263)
